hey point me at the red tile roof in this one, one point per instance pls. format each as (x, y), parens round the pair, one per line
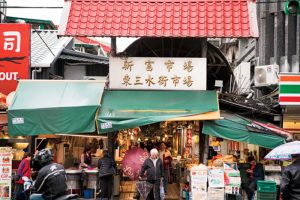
(168, 18)
(94, 42)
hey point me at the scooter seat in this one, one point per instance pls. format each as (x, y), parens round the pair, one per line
(68, 197)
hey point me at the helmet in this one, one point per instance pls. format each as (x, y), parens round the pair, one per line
(44, 157)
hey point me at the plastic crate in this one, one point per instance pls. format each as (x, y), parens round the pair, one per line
(88, 193)
(266, 195)
(266, 186)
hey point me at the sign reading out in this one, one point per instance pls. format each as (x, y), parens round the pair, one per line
(14, 55)
(156, 73)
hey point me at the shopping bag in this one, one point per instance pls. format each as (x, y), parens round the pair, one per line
(162, 191)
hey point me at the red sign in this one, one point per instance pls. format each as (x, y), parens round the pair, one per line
(14, 55)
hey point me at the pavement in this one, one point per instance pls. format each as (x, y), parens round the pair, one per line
(127, 190)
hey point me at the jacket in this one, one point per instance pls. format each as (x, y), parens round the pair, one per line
(51, 181)
(258, 172)
(106, 166)
(24, 170)
(153, 173)
(290, 182)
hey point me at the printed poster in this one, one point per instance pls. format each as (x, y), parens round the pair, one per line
(199, 182)
(216, 178)
(5, 172)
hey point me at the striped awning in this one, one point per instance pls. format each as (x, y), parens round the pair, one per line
(289, 89)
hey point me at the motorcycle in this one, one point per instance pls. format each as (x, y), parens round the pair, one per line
(28, 192)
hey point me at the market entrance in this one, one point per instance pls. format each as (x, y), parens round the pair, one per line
(181, 139)
(143, 120)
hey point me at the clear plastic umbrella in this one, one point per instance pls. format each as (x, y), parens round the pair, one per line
(284, 151)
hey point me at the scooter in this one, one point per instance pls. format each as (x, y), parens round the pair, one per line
(27, 193)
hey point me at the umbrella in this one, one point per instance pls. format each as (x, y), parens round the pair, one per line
(284, 151)
(133, 161)
(144, 188)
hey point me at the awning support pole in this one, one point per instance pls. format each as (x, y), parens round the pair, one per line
(204, 139)
(113, 42)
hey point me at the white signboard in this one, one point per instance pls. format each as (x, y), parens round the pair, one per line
(5, 172)
(216, 178)
(199, 182)
(154, 73)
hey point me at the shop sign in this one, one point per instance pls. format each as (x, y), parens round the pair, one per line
(5, 172)
(289, 90)
(14, 55)
(216, 178)
(156, 73)
(199, 182)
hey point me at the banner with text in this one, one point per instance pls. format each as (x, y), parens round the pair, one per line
(5, 172)
(14, 55)
(156, 73)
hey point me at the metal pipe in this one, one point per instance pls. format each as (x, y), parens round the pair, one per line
(34, 71)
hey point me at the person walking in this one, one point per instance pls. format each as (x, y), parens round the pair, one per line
(166, 157)
(290, 181)
(23, 172)
(256, 172)
(153, 167)
(106, 167)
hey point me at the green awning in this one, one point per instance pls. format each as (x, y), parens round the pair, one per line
(129, 109)
(54, 107)
(235, 128)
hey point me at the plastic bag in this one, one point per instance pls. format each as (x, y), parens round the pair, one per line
(162, 191)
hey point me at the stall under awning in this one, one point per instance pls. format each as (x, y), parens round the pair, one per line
(233, 127)
(54, 107)
(129, 109)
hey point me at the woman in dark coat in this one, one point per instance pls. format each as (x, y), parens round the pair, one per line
(106, 167)
(153, 167)
(86, 158)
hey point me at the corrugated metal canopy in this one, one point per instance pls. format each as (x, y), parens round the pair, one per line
(46, 47)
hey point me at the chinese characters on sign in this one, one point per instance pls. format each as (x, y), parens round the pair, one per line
(158, 73)
(14, 55)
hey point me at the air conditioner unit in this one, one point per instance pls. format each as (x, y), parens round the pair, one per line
(266, 75)
(102, 78)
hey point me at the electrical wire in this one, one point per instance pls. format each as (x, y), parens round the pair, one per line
(60, 7)
(30, 7)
